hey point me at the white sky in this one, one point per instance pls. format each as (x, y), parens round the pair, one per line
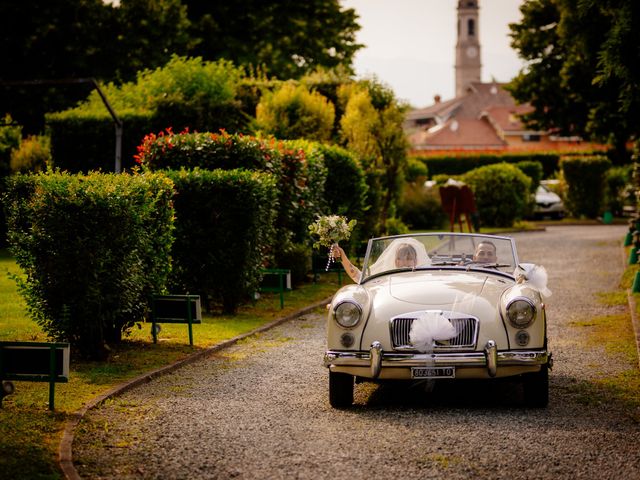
(410, 44)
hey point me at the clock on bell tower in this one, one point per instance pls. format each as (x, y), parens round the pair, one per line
(468, 66)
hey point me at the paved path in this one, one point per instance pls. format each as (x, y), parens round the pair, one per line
(259, 410)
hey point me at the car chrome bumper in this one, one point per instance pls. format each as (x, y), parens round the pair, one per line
(490, 358)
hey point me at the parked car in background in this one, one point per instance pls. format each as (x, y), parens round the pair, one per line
(463, 308)
(548, 203)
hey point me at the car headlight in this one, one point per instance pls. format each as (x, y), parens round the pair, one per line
(521, 312)
(347, 314)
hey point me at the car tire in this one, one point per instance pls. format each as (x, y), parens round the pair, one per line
(536, 388)
(340, 389)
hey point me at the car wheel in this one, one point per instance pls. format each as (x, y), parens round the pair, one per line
(340, 389)
(536, 388)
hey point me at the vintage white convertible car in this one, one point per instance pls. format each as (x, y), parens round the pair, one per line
(437, 306)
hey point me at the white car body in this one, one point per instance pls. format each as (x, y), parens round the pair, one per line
(446, 317)
(548, 203)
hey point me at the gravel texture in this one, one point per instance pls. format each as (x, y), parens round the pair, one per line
(259, 410)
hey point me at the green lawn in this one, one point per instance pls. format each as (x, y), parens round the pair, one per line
(30, 433)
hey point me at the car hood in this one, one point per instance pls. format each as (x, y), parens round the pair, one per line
(449, 288)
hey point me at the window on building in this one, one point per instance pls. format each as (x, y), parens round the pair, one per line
(471, 27)
(530, 138)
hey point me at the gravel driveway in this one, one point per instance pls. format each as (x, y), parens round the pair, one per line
(259, 410)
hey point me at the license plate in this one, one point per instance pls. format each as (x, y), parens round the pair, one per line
(433, 372)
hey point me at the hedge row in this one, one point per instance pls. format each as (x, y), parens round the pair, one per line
(224, 232)
(458, 164)
(303, 170)
(93, 249)
(502, 192)
(585, 179)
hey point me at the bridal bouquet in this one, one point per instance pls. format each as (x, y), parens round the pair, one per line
(331, 229)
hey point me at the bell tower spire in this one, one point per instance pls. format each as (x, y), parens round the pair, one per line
(468, 66)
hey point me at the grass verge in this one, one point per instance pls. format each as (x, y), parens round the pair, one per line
(616, 334)
(30, 433)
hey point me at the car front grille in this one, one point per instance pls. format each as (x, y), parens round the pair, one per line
(466, 333)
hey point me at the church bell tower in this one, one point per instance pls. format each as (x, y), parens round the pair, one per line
(468, 65)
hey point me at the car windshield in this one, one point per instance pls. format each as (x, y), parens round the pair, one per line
(438, 250)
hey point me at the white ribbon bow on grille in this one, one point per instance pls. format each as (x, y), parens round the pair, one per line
(429, 327)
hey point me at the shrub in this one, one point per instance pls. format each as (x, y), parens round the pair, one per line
(618, 189)
(345, 188)
(420, 207)
(293, 112)
(501, 193)
(458, 163)
(395, 226)
(415, 170)
(93, 248)
(533, 170)
(585, 184)
(10, 137)
(185, 93)
(82, 143)
(224, 232)
(311, 169)
(287, 162)
(297, 258)
(33, 155)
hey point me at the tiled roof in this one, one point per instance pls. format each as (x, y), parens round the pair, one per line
(480, 118)
(440, 110)
(459, 133)
(507, 119)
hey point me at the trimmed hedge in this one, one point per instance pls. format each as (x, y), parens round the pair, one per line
(533, 170)
(420, 207)
(312, 178)
(211, 151)
(224, 231)
(93, 249)
(585, 178)
(501, 193)
(457, 164)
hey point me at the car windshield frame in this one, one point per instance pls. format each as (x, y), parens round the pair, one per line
(438, 251)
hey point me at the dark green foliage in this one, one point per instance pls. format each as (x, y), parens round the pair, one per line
(346, 186)
(457, 164)
(67, 39)
(533, 170)
(300, 180)
(88, 142)
(185, 94)
(501, 192)
(618, 189)
(10, 137)
(415, 170)
(585, 178)
(306, 164)
(297, 258)
(582, 75)
(420, 207)
(93, 249)
(224, 231)
(287, 39)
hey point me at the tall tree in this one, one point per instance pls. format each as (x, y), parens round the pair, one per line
(287, 38)
(372, 127)
(582, 70)
(65, 39)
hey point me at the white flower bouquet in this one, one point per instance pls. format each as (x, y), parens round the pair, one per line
(331, 229)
